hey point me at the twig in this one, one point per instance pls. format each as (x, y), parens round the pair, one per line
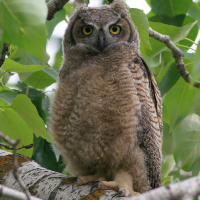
(22, 147)
(14, 194)
(15, 173)
(54, 6)
(15, 163)
(3, 53)
(7, 139)
(177, 54)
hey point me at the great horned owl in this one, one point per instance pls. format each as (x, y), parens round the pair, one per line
(107, 113)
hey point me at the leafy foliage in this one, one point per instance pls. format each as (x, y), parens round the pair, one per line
(24, 107)
(27, 30)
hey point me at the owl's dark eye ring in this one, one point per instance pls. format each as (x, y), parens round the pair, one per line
(115, 29)
(87, 30)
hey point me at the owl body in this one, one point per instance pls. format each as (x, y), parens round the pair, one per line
(106, 114)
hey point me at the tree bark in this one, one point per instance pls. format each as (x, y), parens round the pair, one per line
(8, 193)
(46, 184)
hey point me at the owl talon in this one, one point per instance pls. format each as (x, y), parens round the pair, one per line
(122, 183)
(74, 183)
(96, 184)
(120, 193)
(83, 180)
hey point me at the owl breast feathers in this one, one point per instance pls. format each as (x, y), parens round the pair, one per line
(107, 113)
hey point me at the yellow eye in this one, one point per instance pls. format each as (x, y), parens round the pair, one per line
(87, 30)
(115, 30)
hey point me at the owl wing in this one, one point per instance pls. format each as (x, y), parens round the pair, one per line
(150, 119)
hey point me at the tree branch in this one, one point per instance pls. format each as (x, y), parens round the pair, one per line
(22, 147)
(177, 54)
(188, 189)
(44, 183)
(14, 194)
(47, 184)
(15, 163)
(54, 6)
(3, 53)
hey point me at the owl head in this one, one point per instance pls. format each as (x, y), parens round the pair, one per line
(101, 27)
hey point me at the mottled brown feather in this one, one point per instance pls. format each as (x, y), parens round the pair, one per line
(107, 112)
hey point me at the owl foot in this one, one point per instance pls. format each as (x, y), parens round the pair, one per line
(123, 189)
(83, 180)
(122, 184)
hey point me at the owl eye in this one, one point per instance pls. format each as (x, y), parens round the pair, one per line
(115, 29)
(87, 30)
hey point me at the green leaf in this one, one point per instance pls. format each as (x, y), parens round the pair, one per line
(8, 96)
(168, 146)
(4, 76)
(169, 80)
(137, 16)
(176, 34)
(167, 166)
(21, 56)
(3, 102)
(167, 180)
(37, 97)
(58, 56)
(166, 61)
(1, 37)
(149, 3)
(196, 168)
(45, 156)
(192, 34)
(51, 24)
(52, 71)
(171, 11)
(12, 125)
(178, 101)
(23, 23)
(194, 12)
(196, 105)
(186, 137)
(23, 106)
(38, 80)
(196, 65)
(69, 8)
(12, 66)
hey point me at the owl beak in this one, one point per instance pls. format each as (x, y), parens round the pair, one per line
(101, 43)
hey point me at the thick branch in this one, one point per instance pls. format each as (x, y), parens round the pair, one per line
(188, 189)
(44, 183)
(177, 54)
(47, 184)
(54, 6)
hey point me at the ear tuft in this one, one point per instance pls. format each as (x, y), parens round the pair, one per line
(119, 6)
